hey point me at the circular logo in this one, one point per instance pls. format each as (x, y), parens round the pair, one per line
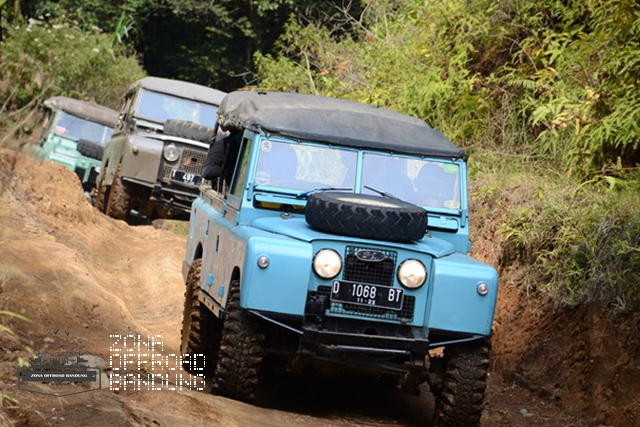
(263, 177)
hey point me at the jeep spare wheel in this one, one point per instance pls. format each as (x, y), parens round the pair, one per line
(189, 130)
(90, 149)
(368, 217)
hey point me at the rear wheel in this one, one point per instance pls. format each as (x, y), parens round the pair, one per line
(241, 352)
(119, 201)
(465, 380)
(200, 328)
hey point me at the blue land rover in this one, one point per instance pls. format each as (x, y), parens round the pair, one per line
(342, 239)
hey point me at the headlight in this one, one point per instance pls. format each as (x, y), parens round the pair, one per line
(412, 274)
(327, 263)
(171, 153)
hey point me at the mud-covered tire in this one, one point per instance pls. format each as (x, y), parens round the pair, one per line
(90, 149)
(460, 401)
(201, 330)
(101, 196)
(189, 130)
(119, 200)
(369, 217)
(241, 352)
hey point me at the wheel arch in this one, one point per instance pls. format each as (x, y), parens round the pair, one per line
(198, 252)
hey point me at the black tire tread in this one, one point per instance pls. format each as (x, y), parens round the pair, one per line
(241, 352)
(461, 400)
(90, 149)
(402, 223)
(201, 330)
(189, 130)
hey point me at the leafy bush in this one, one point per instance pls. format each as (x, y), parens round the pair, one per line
(554, 79)
(45, 59)
(576, 244)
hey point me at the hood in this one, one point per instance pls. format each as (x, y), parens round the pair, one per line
(297, 228)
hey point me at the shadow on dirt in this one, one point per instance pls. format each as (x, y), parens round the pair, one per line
(346, 397)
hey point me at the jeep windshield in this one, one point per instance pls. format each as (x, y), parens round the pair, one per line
(160, 107)
(305, 167)
(421, 182)
(75, 128)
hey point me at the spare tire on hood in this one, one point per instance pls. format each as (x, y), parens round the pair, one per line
(364, 216)
(189, 130)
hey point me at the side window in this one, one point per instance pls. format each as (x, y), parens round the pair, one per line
(240, 175)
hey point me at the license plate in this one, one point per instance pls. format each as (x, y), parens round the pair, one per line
(185, 177)
(366, 294)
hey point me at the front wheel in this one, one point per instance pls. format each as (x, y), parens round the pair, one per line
(459, 404)
(119, 202)
(101, 196)
(200, 328)
(241, 352)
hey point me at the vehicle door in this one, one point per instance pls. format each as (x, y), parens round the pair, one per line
(223, 250)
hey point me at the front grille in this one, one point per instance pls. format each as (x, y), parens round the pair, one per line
(378, 273)
(405, 315)
(191, 161)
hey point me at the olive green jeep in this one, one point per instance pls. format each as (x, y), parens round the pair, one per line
(153, 162)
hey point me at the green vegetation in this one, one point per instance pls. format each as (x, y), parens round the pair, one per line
(544, 94)
(556, 80)
(57, 58)
(44, 59)
(577, 242)
(206, 42)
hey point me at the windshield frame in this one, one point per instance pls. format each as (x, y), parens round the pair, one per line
(291, 193)
(138, 99)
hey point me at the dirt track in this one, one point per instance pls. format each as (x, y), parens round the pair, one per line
(73, 267)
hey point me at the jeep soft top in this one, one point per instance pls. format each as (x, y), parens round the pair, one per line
(181, 89)
(84, 110)
(334, 121)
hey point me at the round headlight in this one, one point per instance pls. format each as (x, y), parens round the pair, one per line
(171, 153)
(327, 263)
(412, 274)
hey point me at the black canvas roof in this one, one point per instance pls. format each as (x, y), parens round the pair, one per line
(334, 121)
(84, 110)
(182, 89)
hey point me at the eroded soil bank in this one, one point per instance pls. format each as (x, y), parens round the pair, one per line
(69, 265)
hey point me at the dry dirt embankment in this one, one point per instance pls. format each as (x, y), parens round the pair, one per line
(73, 267)
(585, 360)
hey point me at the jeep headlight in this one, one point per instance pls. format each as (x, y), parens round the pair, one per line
(412, 274)
(171, 153)
(327, 263)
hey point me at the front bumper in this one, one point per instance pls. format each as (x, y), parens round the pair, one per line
(172, 196)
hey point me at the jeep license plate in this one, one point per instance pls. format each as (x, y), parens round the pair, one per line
(185, 177)
(366, 294)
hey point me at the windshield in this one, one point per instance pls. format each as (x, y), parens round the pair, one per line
(75, 128)
(159, 107)
(421, 182)
(305, 167)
